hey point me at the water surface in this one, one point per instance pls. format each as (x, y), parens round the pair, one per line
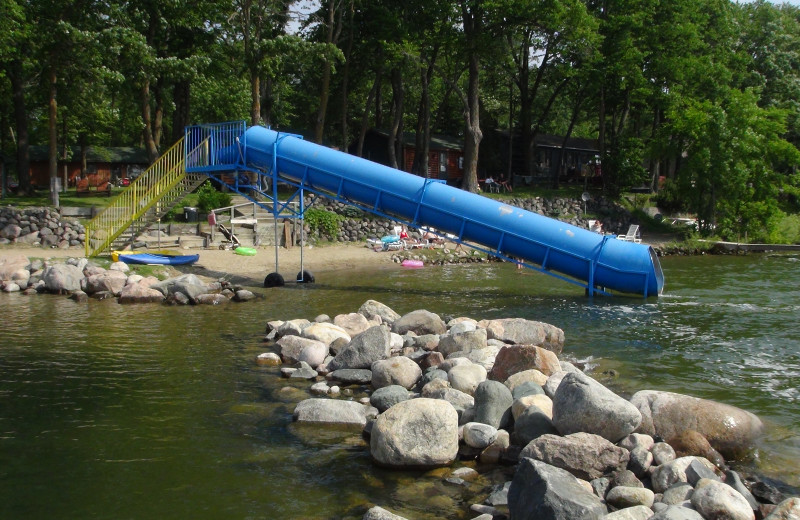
(110, 411)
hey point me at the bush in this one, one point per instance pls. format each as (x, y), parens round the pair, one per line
(323, 222)
(210, 198)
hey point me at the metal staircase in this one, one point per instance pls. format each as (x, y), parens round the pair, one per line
(154, 193)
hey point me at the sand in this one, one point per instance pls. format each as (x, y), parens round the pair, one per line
(215, 263)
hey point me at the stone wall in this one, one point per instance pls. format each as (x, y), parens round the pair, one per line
(358, 225)
(39, 226)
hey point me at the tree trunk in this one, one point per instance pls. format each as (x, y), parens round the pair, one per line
(365, 117)
(423, 129)
(325, 87)
(575, 111)
(267, 100)
(180, 117)
(21, 125)
(158, 121)
(395, 133)
(149, 141)
(473, 133)
(346, 78)
(255, 98)
(52, 141)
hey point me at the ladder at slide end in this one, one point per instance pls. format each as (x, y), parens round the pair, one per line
(154, 193)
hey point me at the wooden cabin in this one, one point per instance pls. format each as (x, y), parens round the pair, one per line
(103, 164)
(445, 157)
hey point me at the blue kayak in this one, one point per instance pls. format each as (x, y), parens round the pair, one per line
(151, 259)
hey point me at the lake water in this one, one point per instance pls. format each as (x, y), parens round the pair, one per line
(110, 411)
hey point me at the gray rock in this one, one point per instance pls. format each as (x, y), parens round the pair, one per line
(623, 496)
(371, 308)
(430, 375)
(636, 440)
(467, 377)
(640, 461)
(479, 435)
(600, 486)
(527, 388)
(292, 347)
(520, 331)
(418, 433)
(333, 411)
(553, 382)
(730, 430)
(292, 327)
(668, 474)
(463, 342)
(12, 264)
(188, 284)
(585, 455)
(713, 499)
(11, 231)
(677, 494)
(388, 396)
(532, 424)
(379, 513)
(351, 376)
(526, 376)
(62, 278)
(314, 354)
(243, 295)
(626, 478)
(326, 333)
(662, 453)
(735, 481)
(208, 299)
(78, 296)
(696, 470)
(493, 404)
(581, 404)
(677, 513)
(398, 370)
(457, 399)
(364, 349)
(540, 491)
(466, 325)
(419, 322)
(630, 513)
(304, 371)
(788, 509)
(542, 402)
(517, 358)
(425, 342)
(111, 281)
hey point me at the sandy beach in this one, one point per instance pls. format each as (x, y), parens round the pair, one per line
(215, 263)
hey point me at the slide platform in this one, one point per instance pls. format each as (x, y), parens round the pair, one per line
(600, 262)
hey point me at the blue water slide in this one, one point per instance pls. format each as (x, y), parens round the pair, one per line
(596, 260)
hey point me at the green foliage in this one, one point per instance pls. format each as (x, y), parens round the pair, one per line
(788, 229)
(210, 198)
(323, 222)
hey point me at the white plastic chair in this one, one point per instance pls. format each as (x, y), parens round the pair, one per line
(632, 235)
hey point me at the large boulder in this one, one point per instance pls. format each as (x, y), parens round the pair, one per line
(519, 331)
(462, 342)
(713, 499)
(418, 433)
(333, 411)
(62, 277)
(531, 424)
(388, 396)
(371, 308)
(540, 491)
(352, 323)
(12, 264)
(111, 281)
(292, 348)
(398, 370)
(364, 349)
(669, 473)
(459, 400)
(466, 377)
(585, 455)
(517, 358)
(140, 293)
(419, 322)
(188, 284)
(730, 430)
(493, 404)
(325, 332)
(581, 404)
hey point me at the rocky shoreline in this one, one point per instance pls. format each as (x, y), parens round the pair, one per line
(83, 279)
(463, 394)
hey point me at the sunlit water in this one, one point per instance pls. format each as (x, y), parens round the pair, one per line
(150, 411)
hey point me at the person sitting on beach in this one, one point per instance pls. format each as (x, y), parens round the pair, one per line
(403, 233)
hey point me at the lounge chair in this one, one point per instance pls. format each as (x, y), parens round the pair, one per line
(632, 235)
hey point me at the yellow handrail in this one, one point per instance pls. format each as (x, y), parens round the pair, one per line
(151, 187)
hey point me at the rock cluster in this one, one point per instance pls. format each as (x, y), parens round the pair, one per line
(449, 391)
(82, 279)
(39, 226)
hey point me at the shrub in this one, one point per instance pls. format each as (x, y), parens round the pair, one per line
(210, 198)
(323, 222)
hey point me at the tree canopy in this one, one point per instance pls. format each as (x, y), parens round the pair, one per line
(696, 99)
